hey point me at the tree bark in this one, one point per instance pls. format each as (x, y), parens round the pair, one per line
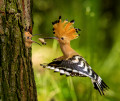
(16, 73)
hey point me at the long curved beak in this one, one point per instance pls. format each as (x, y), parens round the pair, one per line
(51, 38)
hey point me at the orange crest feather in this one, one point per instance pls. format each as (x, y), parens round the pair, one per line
(65, 29)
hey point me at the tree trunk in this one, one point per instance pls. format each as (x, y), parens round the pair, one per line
(16, 73)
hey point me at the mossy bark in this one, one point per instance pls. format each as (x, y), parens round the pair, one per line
(16, 73)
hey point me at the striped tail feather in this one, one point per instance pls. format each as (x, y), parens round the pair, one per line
(100, 85)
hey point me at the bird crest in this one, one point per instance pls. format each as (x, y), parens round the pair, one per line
(65, 29)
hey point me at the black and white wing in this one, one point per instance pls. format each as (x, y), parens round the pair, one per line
(77, 66)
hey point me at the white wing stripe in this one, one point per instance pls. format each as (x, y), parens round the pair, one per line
(90, 72)
(69, 69)
(67, 73)
(75, 71)
(56, 70)
(86, 68)
(47, 66)
(85, 74)
(52, 68)
(81, 65)
(62, 71)
(99, 79)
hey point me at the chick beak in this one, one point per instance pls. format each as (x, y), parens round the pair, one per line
(36, 43)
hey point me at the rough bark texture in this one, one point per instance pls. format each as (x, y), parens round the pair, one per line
(16, 73)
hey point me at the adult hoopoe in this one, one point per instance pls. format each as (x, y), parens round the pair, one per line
(71, 63)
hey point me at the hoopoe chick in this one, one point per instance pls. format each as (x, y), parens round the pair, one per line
(71, 63)
(28, 40)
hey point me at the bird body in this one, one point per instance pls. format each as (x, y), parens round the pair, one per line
(71, 63)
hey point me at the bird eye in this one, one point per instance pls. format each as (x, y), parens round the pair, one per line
(27, 37)
(62, 38)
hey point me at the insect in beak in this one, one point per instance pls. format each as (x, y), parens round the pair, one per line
(42, 41)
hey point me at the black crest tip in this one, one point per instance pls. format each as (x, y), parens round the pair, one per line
(79, 29)
(53, 29)
(72, 21)
(59, 17)
(57, 21)
(53, 23)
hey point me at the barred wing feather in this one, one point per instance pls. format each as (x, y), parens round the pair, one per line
(77, 66)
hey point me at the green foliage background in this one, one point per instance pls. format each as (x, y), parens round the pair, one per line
(99, 44)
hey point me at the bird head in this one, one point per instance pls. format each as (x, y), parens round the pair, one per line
(28, 41)
(64, 31)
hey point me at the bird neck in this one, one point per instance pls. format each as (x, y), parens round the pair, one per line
(67, 50)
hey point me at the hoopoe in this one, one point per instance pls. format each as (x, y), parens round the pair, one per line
(71, 63)
(28, 37)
